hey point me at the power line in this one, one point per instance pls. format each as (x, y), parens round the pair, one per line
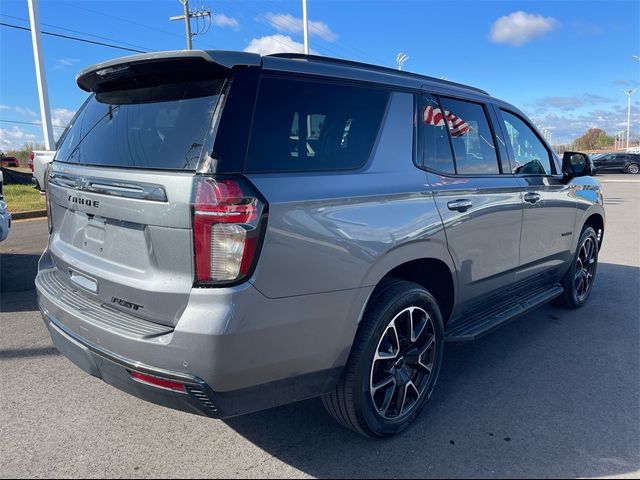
(69, 37)
(34, 123)
(75, 31)
(122, 19)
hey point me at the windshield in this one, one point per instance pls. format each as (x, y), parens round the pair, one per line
(158, 127)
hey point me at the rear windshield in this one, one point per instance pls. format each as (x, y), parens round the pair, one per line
(159, 127)
(302, 125)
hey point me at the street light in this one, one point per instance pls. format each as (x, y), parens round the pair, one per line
(305, 27)
(400, 59)
(629, 93)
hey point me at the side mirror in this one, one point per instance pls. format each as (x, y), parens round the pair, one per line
(576, 164)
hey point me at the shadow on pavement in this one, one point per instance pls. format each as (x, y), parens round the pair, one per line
(17, 276)
(13, 353)
(554, 394)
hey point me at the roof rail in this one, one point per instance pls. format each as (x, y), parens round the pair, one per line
(369, 66)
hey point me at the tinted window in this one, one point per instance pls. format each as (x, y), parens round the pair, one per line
(434, 138)
(473, 145)
(303, 126)
(160, 127)
(530, 155)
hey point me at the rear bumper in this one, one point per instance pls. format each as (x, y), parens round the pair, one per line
(244, 352)
(114, 370)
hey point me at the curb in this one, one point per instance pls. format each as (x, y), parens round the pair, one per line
(30, 214)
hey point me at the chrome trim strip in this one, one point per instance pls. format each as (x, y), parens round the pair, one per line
(114, 188)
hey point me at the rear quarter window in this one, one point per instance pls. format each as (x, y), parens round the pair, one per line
(304, 125)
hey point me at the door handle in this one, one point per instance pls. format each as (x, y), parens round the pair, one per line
(460, 205)
(532, 197)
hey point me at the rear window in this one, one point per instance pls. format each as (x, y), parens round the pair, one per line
(301, 125)
(158, 127)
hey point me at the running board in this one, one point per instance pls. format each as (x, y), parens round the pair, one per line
(486, 321)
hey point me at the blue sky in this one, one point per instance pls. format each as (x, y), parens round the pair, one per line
(562, 62)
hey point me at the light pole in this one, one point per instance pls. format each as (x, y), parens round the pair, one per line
(41, 78)
(305, 27)
(629, 93)
(400, 59)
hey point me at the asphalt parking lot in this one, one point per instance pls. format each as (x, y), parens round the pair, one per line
(554, 394)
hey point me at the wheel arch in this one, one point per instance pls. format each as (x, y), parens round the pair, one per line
(432, 274)
(434, 271)
(596, 221)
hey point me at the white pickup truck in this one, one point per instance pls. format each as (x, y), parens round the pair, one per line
(39, 161)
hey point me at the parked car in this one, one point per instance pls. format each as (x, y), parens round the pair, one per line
(9, 162)
(618, 162)
(41, 160)
(231, 232)
(5, 216)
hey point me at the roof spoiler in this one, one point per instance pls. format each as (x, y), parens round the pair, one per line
(138, 71)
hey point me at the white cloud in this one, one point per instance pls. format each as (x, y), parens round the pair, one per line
(61, 116)
(521, 27)
(14, 138)
(63, 63)
(25, 111)
(567, 126)
(283, 22)
(221, 20)
(275, 44)
(4, 107)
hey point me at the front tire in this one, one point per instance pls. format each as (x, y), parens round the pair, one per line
(578, 281)
(633, 169)
(394, 363)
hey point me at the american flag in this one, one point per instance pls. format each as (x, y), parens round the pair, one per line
(433, 116)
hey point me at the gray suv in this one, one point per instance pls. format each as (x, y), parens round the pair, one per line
(231, 232)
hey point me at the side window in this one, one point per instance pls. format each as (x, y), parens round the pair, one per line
(302, 125)
(529, 153)
(434, 139)
(474, 149)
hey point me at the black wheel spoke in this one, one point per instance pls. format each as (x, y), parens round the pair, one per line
(388, 382)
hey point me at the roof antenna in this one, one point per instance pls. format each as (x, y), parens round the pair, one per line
(400, 59)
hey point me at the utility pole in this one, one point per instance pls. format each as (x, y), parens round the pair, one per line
(188, 15)
(305, 27)
(629, 93)
(41, 77)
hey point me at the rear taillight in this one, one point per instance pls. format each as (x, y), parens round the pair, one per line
(227, 223)
(31, 157)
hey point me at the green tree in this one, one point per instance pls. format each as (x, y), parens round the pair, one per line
(594, 139)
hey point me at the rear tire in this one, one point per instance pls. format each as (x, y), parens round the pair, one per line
(394, 363)
(578, 281)
(633, 168)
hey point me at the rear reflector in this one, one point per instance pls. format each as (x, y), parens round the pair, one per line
(158, 382)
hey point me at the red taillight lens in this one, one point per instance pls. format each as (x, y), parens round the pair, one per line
(31, 157)
(158, 382)
(226, 228)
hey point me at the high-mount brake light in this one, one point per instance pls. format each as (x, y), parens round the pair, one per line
(226, 229)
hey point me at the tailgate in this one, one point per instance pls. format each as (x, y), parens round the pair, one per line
(124, 237)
